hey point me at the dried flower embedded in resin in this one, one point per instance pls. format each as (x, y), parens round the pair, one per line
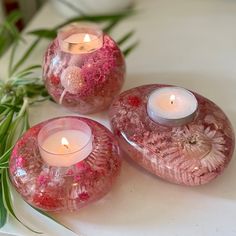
(83, 69)
(59, 186)
(190, 154)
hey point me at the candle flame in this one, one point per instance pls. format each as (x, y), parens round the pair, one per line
(65, 142)
(87, 38)
(172, 99)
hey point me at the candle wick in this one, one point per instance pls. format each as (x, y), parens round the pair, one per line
(66, 146)
(172, 98)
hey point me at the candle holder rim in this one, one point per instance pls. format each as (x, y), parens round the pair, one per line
(68, 153)
(174, 87)
(168, 119)
(79, 26)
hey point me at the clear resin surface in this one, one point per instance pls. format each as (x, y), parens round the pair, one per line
(87, 82)
(52, 188)
(192, 154)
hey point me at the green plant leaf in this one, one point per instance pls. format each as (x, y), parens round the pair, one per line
(98, 18)
(5, 124)
(125, 37)
(12, 55)
(111, 25)
(7, 199)
(128, 50)
(8, 31)
(4, 165)
(3, 211)
(26, 55)
(5, 157)
(5, 109)
(14, 132)
(44, 33)
(50, 217)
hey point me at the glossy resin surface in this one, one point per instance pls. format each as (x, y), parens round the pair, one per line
(52, 188)
(92, 79)
(193, 154)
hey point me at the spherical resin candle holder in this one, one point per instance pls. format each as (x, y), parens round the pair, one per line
(84, 68)
(175, 134)
(64, 163)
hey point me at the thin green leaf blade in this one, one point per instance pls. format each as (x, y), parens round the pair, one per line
(128, 50)
(111, 25)
(50, 217)
(26, 55)
(125, 37)
(5, 124)
(44, 33)
(98, 18)
(5, 157)
(3, 211)
(7, 199)
(12, 55)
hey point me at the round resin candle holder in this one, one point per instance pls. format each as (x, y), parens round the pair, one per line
(177, 135)
(83, 69)
(64, 163)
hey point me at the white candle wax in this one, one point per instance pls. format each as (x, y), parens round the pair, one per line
(172, 106)
(64, 146)
(79, 39)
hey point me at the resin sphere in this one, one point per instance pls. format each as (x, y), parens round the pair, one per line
(191, 154)
(83, 79)
(53, 188)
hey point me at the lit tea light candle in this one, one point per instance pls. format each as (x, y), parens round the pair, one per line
(65, 141)
(80, 38)
(172, 106)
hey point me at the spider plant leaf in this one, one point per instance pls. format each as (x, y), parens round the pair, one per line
(111, 25)
(97, 18)
(3, 211)
(5, 124)
(128, 50)
(25, 55)
(5, 157)
(44, 33)
(125, 37)
(7, 199)
(12, 55)
(50, 217)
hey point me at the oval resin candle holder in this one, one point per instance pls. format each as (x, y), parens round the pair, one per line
(191, 153)
(83, 170)
(83, 69)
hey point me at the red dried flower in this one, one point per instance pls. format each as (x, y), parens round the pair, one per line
(46, 201)
(55, 80)
(83, 196)
(134, 101)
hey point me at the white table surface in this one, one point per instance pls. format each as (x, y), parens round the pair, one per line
(190, 43)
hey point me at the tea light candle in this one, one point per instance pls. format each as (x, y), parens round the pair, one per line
(80, 38)
(65, 141)
(172, 106)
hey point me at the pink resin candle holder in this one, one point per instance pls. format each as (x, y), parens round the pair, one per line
(177, 135)
(64, 163)
(83, 69)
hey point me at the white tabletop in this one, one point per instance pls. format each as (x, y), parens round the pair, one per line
(183, 42)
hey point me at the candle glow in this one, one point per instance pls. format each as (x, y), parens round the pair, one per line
(172, 99)
(80, 38)
(87, 38)
(65, 141)
(172, 106)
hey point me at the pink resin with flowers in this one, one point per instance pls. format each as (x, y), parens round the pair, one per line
(91, 79)
(53, 188)
(191, 154)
